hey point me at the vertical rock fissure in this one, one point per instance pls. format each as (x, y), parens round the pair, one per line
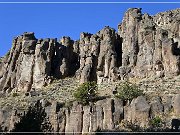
(113, 111)
(32, 73)
(82, 113)
(65, 120)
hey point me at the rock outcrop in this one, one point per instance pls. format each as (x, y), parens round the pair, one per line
(98, 56)
(144, 47)
(33, 63)
(150, 43)
(138, 112)
(106, 114)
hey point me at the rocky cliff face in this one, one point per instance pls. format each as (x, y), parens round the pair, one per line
(144, 47)
(33, 63)
(106, 114)
(99, 56)
(150, 43)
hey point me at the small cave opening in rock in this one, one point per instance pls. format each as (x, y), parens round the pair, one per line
(93, 74)
(56, 61)
(175, 49)
(102, 114)
(75, 64)
(165, 34)
(118, 49)
(112, 106)
(91, 109)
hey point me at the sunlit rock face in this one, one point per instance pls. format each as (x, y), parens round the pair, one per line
(33, 63)
(99, 56)
(145, 46)
(150, 43)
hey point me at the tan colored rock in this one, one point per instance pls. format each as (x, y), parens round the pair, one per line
(171, 58)
(74, 119)
(138, 112)
(108, 115)
(156, 107)
(118, 111)
(167, 103)
(98, 56)
(86, 119)
(152, 50)
(100, 114)
(176, 104)
(42, 66)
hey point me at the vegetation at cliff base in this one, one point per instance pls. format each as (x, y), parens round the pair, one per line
(35, 120)
(128, 91)
(156, 121)
(86, 92)
(15, 94)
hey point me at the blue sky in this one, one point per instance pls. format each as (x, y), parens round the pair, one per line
(57, 20)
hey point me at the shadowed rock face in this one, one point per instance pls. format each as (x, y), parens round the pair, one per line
(106, 114)
(145, 46)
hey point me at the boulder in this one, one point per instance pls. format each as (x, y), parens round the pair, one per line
(138, 112)
(157, 108)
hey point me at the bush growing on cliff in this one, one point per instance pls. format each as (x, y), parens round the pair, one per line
(128, 91)
(35, 120)
(86, 92)
(15, 94)
(156, 121)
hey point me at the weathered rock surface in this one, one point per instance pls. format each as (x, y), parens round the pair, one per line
(106, 114)
(144, 47)
(138, 112)
(98, 56)
(176, 104)
(33, 63)
(156, 107)
(150, 43)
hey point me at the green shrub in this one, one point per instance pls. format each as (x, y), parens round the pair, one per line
(34, 120)
(86, 92)
(156, 121)
(128, 91)
(15, 94)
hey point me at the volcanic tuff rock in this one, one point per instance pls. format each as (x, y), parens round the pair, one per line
(98, 55)
(32, 63)
(106, 114)
(145, 47)
(150, 43)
